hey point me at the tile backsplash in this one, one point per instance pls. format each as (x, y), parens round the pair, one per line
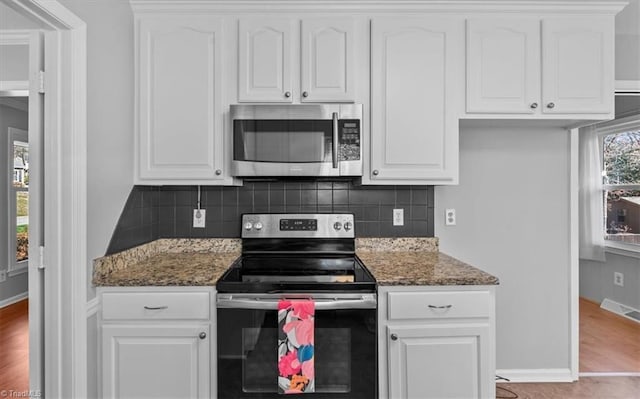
(153, 212)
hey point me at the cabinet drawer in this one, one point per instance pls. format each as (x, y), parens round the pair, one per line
(155, 305)
(428, 305)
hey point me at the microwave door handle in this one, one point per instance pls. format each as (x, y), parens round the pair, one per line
(335, 140)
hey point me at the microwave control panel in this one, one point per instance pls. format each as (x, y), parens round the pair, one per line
(349, 130)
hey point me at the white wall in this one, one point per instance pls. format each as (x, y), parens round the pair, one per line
(14, 62)
(110, 117)
(9, 117)
(596, 280)
(512, 209)
(9, 19)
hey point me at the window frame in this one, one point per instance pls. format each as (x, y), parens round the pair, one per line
(14, 266)
(630, 123)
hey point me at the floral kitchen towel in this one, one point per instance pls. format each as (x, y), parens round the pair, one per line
(295, 346)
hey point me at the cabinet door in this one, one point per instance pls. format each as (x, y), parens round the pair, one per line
(577, 65)
(328, 57)
(265, 60)
(439, 361)
(416, 70)
(180, 111)
(157, 361)
(503, 65)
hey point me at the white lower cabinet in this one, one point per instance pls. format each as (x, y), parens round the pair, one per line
(166, 352)
(437, 343)
(159, 361)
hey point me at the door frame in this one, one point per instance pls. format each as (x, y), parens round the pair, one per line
(65, 218)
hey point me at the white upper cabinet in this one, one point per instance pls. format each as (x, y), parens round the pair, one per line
(578, 65)
(503, 65)
(265, 59)
(550, 66)
(272, 69)
(180, 102)
(416, 70)
(328, 60)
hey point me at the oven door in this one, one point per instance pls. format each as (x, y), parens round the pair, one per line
(345, 353)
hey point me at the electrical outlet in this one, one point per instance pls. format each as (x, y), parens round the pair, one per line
(618, 279)
(3, 275)
(450, 217)
(398, 217)
(199, 216)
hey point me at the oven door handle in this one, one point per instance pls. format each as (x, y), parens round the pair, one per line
(364, 302)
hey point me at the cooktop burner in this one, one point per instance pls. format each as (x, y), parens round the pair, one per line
(297, 253)
(273, 278)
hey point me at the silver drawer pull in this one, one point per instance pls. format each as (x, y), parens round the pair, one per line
(440, 307)
(156, 307)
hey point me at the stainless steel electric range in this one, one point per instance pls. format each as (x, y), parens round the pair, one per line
(297, 256)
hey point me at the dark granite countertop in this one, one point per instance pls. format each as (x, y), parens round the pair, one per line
(200, 262)
(422, 268)
(171, 269)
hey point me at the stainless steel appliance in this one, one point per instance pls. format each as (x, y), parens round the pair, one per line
(297, 140)
(297, 256)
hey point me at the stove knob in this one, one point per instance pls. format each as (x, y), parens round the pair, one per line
(248, 226)
(348, 226)
(337, 226)
(258, 225)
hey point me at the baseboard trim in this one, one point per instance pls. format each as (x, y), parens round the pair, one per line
(93, 306)
(610, 374)
(536, 375)
(16, 298)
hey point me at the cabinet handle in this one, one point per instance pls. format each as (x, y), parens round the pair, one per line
(534, 105)
(287, 94)
(305, 94)
(394, 337)
(218, 172)
(375, 172)
(551, 105)
(202, 335)
(156, 307)
(440, 307)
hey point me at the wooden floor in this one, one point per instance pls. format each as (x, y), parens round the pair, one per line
(14, 347)
(585, 388)
(608, 342)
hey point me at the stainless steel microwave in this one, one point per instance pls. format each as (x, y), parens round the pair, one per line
(297, 140)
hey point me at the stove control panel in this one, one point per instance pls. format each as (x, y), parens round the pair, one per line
(299, 224)
(281, 225)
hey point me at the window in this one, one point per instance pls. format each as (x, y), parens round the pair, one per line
(18, 200)
(621, 180)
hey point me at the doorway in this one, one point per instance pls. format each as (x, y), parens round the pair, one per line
(14, 208)
(14, 181)
(609, 343)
